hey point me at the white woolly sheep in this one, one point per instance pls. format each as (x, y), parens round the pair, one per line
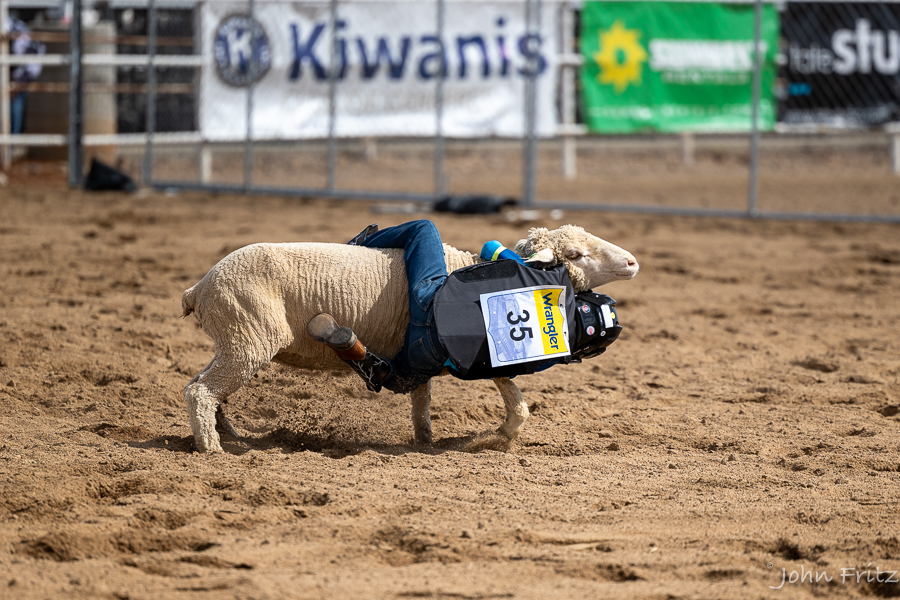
(255, 304)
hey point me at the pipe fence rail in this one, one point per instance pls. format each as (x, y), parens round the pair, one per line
(411, 102)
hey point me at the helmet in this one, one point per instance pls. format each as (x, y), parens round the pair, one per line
(596, 324)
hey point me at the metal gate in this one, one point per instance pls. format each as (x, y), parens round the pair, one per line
(160, 56)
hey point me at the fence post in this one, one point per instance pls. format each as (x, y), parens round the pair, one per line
(532, 23)
(332, 93)
(204, 152)
(688, 148)
(440, 180)
(5, 91)
(753, 191)
(205, 167)
(147, 171)
(567, 92)
(76, 112)
(251, 78)
(895, 153)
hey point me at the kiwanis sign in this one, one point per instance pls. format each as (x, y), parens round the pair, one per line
(385, 59)
(674, 66)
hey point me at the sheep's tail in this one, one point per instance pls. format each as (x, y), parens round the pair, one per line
(188, 301)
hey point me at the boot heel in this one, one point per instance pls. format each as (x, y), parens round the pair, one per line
(342, 339)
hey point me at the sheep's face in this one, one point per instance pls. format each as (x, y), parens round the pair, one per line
(590, 260)
(602, 262)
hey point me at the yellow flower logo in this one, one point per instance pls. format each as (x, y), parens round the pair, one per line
(620, 58)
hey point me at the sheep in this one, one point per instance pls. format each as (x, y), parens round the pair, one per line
(255, 304)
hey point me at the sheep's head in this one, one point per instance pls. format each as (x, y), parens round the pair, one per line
(591, 262)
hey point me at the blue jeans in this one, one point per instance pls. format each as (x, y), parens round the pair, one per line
(422, 356)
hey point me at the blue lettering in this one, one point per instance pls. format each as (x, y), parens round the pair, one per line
(429, 52)
(501, 46)
(461, 43)
(396, 68)
(425, 70)
(530, 49)
(305, 51)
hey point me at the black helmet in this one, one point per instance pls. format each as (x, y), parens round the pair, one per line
(596, 324)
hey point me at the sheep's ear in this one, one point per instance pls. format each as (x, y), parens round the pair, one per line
(575, 253)
(544, 258)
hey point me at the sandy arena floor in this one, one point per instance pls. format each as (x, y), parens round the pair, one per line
(743, 429)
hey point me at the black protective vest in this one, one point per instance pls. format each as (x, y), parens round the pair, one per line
(460, 324)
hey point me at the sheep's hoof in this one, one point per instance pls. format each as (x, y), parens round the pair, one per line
(209, 449)
(423, 436)
(489, 440)
(207, 444)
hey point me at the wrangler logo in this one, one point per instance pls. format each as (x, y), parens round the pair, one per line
(549, 315)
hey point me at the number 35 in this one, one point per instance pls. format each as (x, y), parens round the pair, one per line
(517, 334)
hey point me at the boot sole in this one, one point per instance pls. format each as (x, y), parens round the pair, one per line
(323, 328)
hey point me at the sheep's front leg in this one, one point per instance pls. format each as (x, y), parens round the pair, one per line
(224, 375)
(516, 408)
(516, 415)
(202, 402)
(421, 415)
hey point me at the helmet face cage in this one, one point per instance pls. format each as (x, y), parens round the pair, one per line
(597, 324)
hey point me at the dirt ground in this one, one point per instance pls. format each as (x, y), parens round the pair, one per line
(743, 429)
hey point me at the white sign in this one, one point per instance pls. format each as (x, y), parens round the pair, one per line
(526, 324)
(702, 55)
(387, 58)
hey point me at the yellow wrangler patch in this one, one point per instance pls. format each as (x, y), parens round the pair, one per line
(551, 320)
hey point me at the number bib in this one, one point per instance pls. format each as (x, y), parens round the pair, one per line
(525, 324)
(502, 319)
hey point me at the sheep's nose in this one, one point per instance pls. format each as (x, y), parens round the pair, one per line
(632, 262)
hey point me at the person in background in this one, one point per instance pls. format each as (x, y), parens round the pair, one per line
(20, 43)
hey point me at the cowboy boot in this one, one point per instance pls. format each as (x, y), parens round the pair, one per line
(373, 369)
(360, 237)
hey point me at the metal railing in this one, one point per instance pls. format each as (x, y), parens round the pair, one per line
(155, 147)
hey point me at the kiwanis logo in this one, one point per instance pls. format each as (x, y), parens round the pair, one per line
(620, 58)
(242, 52)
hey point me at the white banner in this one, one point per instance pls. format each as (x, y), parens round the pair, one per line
(388, 55)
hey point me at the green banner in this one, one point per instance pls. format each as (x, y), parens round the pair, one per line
(674, 66)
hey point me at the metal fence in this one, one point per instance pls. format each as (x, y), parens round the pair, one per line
(132, 74)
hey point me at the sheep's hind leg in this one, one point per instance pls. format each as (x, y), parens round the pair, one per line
(223, 376)
(421, 416)
(516, 415)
